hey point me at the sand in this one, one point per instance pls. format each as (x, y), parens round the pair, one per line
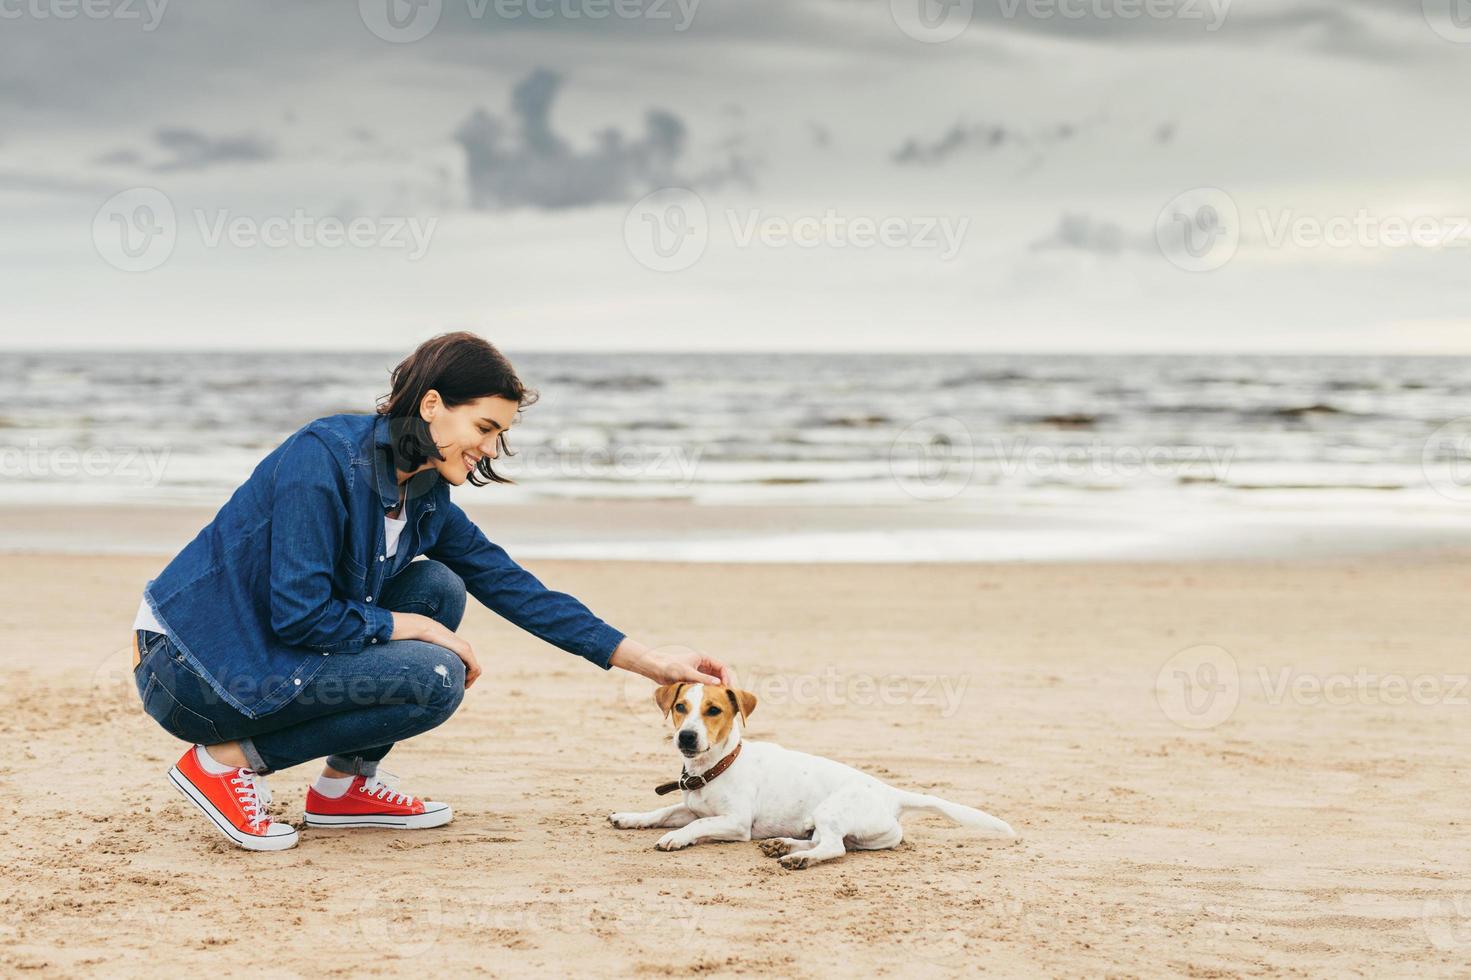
(1309, 820)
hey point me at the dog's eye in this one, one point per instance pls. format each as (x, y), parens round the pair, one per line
(679, 708)
(712, 711)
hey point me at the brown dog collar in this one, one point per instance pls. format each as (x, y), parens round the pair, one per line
(686, 781)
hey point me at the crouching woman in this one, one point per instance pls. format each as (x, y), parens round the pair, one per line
(297, 625)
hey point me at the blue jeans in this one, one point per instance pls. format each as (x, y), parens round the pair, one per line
(352, 712)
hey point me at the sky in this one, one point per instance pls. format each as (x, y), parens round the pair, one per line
(1038, 175)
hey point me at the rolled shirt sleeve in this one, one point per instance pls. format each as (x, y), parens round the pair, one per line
(308, 519)
(512, 592)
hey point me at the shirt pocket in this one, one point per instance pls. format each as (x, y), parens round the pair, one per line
(351, 576)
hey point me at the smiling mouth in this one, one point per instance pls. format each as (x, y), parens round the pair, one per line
(469, 460)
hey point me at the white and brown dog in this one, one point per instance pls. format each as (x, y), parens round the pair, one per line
(736, 790)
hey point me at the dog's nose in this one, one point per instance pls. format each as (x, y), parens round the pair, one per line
(688, 739)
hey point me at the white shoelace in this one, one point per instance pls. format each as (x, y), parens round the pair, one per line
(376, 787)
(254, 795)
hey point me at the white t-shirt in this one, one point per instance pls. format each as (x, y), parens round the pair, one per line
(392, 529)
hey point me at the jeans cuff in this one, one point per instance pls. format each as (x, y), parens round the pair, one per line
(354, 765)
(253, 757)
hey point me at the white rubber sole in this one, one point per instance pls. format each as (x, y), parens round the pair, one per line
(417, 821)
(251, 842)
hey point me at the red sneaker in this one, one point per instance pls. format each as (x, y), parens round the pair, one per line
(235, 803)
(370, 802)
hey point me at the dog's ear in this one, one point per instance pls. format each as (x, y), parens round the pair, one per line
(666, 695)
(742, 701)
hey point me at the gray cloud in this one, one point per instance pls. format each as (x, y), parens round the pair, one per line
(1084, 233)
(526, 163)
(984, 137)
(190, 149)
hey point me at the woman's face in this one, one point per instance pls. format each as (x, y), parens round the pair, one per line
(466, 433)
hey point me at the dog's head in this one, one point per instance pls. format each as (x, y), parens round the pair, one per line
(704, 715)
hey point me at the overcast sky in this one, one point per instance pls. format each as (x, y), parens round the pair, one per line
(748, 174)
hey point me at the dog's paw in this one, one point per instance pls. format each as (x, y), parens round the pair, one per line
(796, 862)
(671, 842)
(625, 821)
(774, 847)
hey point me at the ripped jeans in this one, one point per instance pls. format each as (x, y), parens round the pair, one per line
(351, 712)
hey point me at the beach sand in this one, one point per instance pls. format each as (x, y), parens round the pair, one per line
(1256, 828)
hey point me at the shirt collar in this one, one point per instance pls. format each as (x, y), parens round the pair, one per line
(385, 473)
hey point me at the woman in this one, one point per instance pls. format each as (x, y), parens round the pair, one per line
(297, 626)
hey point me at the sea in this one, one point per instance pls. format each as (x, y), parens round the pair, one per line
(1073, 447)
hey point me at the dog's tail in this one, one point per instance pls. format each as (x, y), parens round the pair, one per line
(966, 816)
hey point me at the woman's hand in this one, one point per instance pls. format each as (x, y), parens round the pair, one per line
(412, 626)
(669, 665)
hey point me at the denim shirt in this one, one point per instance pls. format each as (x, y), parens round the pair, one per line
(287, 571)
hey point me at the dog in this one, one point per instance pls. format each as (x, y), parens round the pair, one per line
(737, 790)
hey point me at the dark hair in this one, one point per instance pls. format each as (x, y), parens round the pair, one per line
(461, 367)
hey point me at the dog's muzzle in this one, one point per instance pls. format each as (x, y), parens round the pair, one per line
(688, 741)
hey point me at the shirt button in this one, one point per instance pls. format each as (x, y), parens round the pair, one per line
(381, 557)
(369, 599)
(297, 682)
(373, 640)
